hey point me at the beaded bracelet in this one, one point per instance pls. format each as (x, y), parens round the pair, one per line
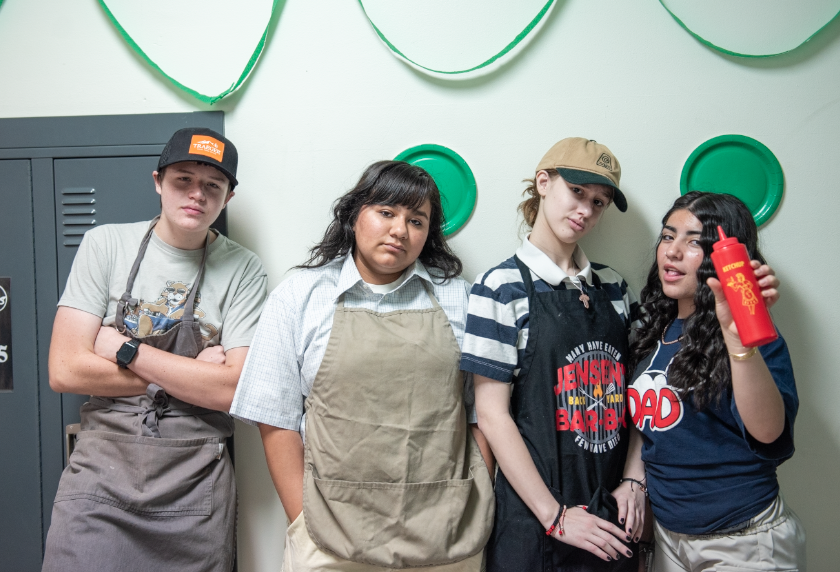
(560, 513)
(640, 483)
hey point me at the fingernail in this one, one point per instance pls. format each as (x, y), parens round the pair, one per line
(621, 521)
(608, 558)
(629, 530)
(628, 538)
(629, 554)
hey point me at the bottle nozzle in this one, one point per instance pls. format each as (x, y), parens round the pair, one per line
(721, 234)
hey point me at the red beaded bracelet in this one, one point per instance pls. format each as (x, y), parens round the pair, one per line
(558, 521)
(560, 512)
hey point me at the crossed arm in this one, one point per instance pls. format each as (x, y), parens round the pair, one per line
(83, 360)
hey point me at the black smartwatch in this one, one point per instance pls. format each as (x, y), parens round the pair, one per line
(127, 352)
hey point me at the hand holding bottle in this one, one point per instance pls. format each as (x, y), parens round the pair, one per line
(767, 281)
(738, 282)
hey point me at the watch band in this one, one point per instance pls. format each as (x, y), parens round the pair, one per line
(127, 353)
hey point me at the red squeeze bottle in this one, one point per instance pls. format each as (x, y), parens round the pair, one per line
(736, 275)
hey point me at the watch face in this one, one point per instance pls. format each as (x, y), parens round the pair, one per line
(127, 352)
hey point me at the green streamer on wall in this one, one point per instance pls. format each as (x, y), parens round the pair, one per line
(211, 99)
(737, 54)
(519, 37)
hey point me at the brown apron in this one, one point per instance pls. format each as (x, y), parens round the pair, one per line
(149, 484)
(392, 476)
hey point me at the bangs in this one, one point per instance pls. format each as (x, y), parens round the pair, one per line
(403, 185)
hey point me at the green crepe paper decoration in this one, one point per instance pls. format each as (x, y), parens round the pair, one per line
(453, 177)
(211, 99)
(519, 37)
(740, 166)
(738, 54)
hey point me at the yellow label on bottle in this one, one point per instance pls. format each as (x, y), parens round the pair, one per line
(739, 283)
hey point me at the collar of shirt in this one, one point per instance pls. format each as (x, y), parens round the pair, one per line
(541, 265)
(350, 277)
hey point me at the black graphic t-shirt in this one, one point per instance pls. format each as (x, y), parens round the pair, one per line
(590, 396)
(704, 471)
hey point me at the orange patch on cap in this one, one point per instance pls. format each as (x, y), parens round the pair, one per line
(207, 146)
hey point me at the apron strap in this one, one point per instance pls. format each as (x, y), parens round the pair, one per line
(126, 298)
(431, 292)
(526, 276)
(189, 307)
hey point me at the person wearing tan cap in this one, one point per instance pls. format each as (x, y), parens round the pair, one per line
(546, 341)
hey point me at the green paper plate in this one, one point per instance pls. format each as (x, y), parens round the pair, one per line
(738, 165)
(453, 177)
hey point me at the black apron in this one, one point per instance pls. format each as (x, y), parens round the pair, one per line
(568, 402)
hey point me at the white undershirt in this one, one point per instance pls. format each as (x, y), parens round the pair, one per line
(385, 288)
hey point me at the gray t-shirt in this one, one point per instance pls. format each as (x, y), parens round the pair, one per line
(228, 302)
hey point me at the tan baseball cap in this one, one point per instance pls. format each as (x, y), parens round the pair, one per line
(584, 161)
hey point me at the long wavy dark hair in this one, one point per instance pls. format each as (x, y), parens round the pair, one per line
(702, 364)
(387, 183)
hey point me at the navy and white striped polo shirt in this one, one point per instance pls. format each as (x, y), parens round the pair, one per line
(497, 323)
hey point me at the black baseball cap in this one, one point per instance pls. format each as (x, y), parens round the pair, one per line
(203, 146)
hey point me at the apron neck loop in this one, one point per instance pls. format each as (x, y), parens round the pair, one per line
(426, 286)
(189, 307)
(529, 282)
(127, 300)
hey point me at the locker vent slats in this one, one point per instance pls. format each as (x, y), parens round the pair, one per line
(77, 219)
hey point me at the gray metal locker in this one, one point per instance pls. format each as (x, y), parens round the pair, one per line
(20, 535)
(59, 176)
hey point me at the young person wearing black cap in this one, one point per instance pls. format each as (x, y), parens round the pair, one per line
(554, 327)
(155, 323)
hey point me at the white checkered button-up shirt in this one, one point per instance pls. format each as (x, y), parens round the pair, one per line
(295, 326)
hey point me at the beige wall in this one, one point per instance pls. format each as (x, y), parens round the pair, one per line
(328, 98)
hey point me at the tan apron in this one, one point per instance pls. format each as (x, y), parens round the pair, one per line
(149, 484)
(392, 476)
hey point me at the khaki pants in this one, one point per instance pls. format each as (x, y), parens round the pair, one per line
(302, 555)
(773, 541)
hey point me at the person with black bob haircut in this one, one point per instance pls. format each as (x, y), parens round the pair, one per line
(353, 380)
(716, 417)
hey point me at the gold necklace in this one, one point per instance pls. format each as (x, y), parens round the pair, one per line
(679, 339)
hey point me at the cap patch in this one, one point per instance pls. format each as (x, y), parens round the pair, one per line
(207, 146)
(604, 161)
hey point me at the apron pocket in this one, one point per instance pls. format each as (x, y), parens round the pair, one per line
(144, 475)
(394, 525)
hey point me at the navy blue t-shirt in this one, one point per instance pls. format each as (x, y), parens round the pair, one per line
(705, 472)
